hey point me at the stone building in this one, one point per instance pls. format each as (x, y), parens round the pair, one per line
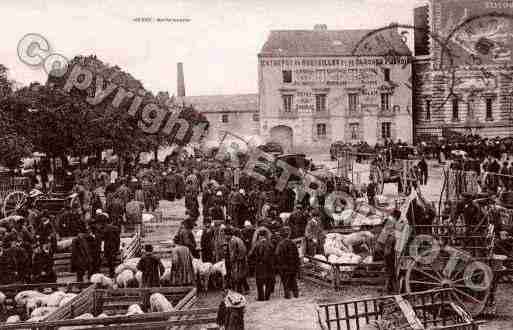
(236, 114)
(319, 86)
(465, 84)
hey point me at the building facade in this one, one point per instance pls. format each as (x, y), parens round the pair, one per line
(319, 86)
(463, 74)
(236, 114)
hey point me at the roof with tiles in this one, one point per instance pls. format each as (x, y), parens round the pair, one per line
(323, 42)
(224, 103)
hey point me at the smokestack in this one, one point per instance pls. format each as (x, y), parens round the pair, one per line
(180, 83)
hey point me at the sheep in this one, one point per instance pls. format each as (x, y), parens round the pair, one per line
(124, 279)
(134, 310)
(358, 238)
(159, 303)
(64, 244)
(22, 297)
(138, 278)
(85, 316)
(102, 281)
(13, 319)
(218, 274)
(2, 298)
(130, 264)
(42, 311)
(285, 217)
(166, 277)
(220, 268)
(202, 271)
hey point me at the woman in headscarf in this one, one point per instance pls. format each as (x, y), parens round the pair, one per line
(182, 272)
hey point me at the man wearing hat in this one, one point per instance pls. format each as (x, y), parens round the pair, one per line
(263, 257)
(111, 241)
(287, 260)
(236, 261)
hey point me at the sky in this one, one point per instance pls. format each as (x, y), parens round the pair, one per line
(218, 46)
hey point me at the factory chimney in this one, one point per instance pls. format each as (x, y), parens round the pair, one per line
(180, 83)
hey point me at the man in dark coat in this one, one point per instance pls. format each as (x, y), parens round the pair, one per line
(191, 202)
(207, 243)
(94, 244)
(111, 239)
(287, 260)
(22, 261)
(81, 258)
(7, 265)
(216, 211)
(263, 257)
(185, 236)
(151, 267)
(297, 222)
(42, 269)
(423, 166)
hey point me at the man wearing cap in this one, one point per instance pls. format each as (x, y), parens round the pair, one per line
(216, 211)
(314, 235)
(287, 259)
(297, 222)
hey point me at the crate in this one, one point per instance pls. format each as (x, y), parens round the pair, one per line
(338, 275)
(96, 301)
(11, 308)
(427, 310)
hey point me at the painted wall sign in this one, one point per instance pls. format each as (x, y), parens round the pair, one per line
(346, 62)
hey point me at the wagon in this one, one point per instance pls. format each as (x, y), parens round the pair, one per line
(52, 202)
(417, 311)
(95, 301)
(450, 254)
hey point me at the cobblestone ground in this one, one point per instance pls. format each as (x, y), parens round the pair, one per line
(280, 313)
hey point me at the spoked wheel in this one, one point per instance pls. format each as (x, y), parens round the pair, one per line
(471, 284)
(13, 202)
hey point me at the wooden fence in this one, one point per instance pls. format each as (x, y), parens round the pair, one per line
(95, 301)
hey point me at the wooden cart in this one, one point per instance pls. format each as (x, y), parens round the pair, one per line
(459, 256)
(417, 311)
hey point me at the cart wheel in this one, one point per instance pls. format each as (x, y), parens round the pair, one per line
(378, 178)
(438, 275)
(13, 201)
